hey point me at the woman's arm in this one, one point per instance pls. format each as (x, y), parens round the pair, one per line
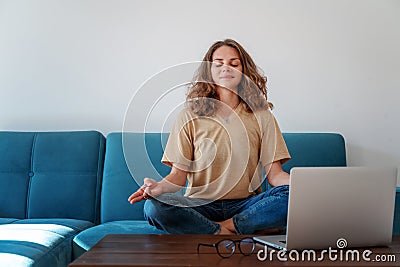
(171, 183)
(276, 176)
(175, 180)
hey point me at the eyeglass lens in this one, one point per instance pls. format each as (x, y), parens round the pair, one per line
(226, 248)
(246, 246)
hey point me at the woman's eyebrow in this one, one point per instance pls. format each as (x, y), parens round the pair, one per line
(221, 59)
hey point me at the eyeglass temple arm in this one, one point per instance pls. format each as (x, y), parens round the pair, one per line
(203, 244)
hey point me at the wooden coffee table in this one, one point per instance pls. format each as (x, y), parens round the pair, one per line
(181, 250)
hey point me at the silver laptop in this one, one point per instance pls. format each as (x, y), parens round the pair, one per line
(338, 207)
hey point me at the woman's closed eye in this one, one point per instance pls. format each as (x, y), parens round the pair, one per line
(221, 64)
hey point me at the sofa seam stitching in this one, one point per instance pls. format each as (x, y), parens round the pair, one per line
(30, 177)
(99, 182)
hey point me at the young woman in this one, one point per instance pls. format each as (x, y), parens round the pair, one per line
(217, 148)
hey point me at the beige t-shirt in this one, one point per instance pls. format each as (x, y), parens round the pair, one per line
(224, 157)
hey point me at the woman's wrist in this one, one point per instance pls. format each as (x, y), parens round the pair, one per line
(161, 186)
(167, 186)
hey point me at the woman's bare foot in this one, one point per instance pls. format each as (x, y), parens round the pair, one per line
(228, 224)
(225, 231)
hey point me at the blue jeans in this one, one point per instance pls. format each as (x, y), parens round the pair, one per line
(261, 212)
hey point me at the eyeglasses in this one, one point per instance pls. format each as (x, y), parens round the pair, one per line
(225, 248)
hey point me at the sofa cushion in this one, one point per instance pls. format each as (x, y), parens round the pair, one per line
(144, 156)
(86, 239)
(39, 242)
(51, 174)
(72, 224)
(7, 220)
(315, 150)
(15, 164)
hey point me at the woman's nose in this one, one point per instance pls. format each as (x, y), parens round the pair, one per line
(225, 67)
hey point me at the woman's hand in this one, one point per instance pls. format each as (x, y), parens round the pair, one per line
(172, 183)
(149, 189)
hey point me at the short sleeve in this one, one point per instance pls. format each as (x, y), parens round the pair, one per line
(179, 148)
(273, 146)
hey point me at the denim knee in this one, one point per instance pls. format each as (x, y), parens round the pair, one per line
(152, 209)
(281, 190)
(177, 220)
(268, 212)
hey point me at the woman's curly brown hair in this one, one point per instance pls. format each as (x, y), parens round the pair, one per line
(252, 90)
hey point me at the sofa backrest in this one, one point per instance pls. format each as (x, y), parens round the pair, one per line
(315, 150)
(51, 174)
(143, 152)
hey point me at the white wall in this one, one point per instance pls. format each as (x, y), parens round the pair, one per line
(332, 65)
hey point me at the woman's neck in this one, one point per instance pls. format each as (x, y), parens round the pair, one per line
(230, 101)
(228, 97)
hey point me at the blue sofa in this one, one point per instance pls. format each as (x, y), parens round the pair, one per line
(49, 192)
(61, 192)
